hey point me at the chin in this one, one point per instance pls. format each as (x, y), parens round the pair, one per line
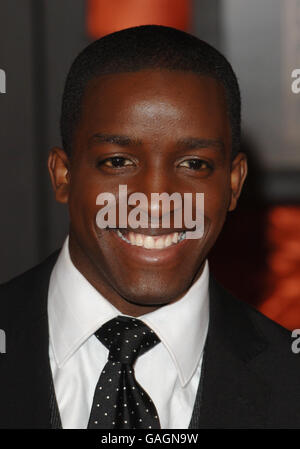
(156, 293)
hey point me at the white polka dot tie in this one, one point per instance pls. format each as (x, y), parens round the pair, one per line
(119, 401)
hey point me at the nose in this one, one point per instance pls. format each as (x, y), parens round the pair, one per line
(163, 203)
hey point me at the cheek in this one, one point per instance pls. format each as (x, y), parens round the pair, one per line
(216, 201)
(82, 200)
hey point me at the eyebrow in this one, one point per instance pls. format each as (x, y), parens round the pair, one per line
(189, 143)
(117, 139)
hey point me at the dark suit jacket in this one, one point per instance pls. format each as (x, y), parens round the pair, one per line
(250, 377)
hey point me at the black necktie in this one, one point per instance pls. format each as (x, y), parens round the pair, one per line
(119, 401)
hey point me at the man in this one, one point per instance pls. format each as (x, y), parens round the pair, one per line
(156, 110)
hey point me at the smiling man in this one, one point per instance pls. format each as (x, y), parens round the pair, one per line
(125, 327)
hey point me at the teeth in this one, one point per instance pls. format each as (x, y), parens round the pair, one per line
(160, 243)
(182, 236)
(168, 240)
(120, 234)
(175, 237)
(139, 240)
(149, 242)
(132, 238)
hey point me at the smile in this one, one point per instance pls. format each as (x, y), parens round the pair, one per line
(151, 241)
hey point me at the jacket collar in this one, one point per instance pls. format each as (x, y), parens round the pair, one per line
(230, 394)
(25, 399)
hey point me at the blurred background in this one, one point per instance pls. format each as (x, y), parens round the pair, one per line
(257, 257)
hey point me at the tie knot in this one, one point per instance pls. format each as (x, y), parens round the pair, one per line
(126, 339)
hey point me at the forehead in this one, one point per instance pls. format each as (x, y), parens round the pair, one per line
(160, 100)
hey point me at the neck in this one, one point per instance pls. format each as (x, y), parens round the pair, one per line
(94, 276)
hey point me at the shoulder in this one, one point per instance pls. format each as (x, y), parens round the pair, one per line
(249, 330)
(30, 276)
(24, 289)
(250, 356)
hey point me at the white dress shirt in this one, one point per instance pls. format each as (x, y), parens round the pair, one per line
(169, 372)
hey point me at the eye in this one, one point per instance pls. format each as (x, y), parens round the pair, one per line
(196, 164)
(116, 162)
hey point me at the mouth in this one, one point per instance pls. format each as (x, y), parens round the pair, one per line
(152, 248)
(151, 242)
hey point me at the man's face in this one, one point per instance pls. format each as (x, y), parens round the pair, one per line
(154, 131)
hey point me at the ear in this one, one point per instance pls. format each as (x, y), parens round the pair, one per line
(238, 175)
(59, 166)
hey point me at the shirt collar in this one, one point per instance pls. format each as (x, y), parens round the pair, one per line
(182, 326)
(76, 310)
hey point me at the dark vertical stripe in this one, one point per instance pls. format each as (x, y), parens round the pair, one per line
(196, 420)
(40, 107)
(207, 21)
(54, 411)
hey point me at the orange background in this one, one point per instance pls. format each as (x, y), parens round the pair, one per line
(107, 16)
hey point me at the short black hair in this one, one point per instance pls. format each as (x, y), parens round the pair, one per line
(147, 47)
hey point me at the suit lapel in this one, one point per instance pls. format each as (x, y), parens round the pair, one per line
(55, 419)
(230, 394)
(25, 400)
